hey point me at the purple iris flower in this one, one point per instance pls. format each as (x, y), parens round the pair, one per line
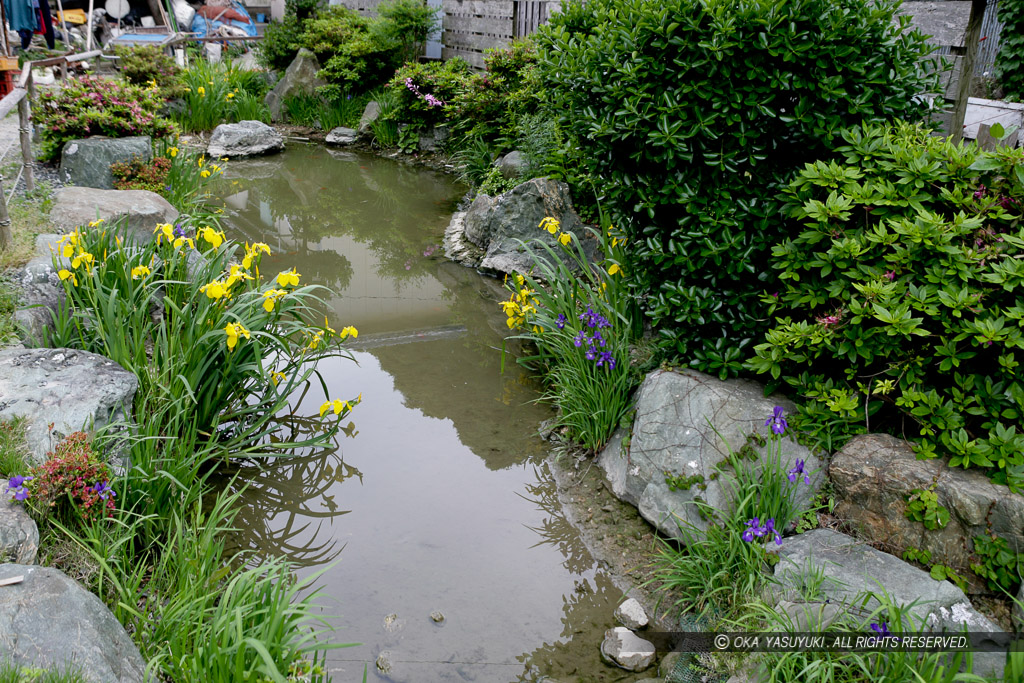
(179, 231)
(881, 629)
(799, 471)
(777, 422)
(103, 490)
(771, 532)
(753, 529)
(606, 358)
(591, 353)
(17, 486)
(579, 339)
(560, 323)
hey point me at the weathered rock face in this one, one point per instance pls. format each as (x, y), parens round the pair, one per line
(49, 621)
(626, 650)
(498, 225)
(78, 206)
(874, 475)
(71, 389)
(631, 614)
(685, 425)
(370, 114)
(513, 164)
(853, 569)
(341, 136)
(86, 162)
(244, 139)
(300, 78)
(42, 292)
(457, 247)
(433, 138)
(19, 535)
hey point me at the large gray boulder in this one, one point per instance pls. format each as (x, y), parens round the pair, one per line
(498, 226)
(875, 474)
(48, 621)
(86, 162)
(686, 424)
(341, 136)
(512, 165)
(70, 389)
(244, 139)
(859, 577)
(300, 78)
(78, 206)
(370, 114)
(19, 535)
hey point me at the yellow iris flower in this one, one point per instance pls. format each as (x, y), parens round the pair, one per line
(237, 274)
(83, 257)
(348, 331)
(172, 152)
(614, 269)
(140, 271)
(65, 274)
(550, 224)
(564, 238)
(216, 290)
(288, 277)
(271, 297)
(234, 331)
(214, 237)
(204, 173)
(277, 377)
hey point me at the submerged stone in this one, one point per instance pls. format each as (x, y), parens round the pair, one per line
(626, 650)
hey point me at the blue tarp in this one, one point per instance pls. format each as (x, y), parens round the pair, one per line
(204, 27)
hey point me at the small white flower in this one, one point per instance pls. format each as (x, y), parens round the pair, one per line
(634, 470)
(692, 464)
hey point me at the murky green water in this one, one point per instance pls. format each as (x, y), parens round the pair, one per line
(438, 497)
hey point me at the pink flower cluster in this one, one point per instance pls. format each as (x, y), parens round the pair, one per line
(428, 98)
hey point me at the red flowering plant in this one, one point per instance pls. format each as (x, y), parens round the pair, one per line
(96, 106)
(72, 484)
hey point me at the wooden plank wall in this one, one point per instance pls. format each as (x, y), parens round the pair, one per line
(368, 7)
(469, 27)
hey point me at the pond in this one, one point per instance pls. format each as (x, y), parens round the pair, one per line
(438, 497)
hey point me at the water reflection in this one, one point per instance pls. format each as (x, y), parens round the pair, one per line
(440, 500)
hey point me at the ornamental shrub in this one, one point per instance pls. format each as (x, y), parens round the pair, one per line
(350, 54)
(423, 92)
(73, 482)
(1010, 60)
(95, 106)
(690, 114)
(900, 303)
(493, 101)
(138, 174)
(148, 66)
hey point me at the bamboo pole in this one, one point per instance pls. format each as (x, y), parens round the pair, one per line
(88, 30)
(67, 36)
(5, 221)
(25, 131)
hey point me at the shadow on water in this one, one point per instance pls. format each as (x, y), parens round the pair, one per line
(437, 497)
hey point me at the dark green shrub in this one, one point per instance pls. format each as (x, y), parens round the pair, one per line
(407, 23)
(691, 114)
(424, 91)
(350, 54)
(281, 42)
(148, 66)
(93, 106)
(1010, 60)
(900, 305)
(493, 101)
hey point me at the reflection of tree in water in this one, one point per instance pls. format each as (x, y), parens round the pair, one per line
(398, 211)
(587, 613)
(556, 530)
(462, 379)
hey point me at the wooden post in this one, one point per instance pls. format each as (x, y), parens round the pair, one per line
(67, 36)
(5, 221)
(25, 130)
(963, 89)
